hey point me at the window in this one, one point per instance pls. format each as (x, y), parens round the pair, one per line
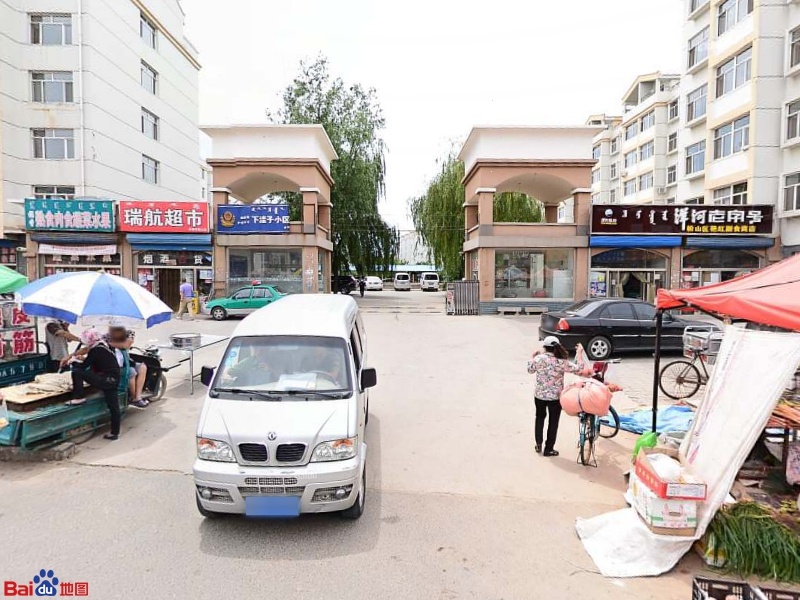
(51, 30)
(614, 143)
(53, 144)
(673, 110)
(242, 294)
(698, 200)
(698, 48)
(696, 103)
(612, 196)
(149, 124)
(672, 142)
(150, 168)
(734, 73)
(147, 31)
(618, 310)
(731, 12)
(534, 273)
(645, 181)
(644, 312)
(149, 78)
(731, 194)
(733, 137)
(695, 4)
(630, 159)
(54, 192)
(672, 174)
(648, 120)
(695, 157)
(614, 170)
(595, 198)
(51, 86)
(631, 131)
(793, 120)
(791, 192)
(646, 151)
(596, 152)
(260, 292)
(595, 175)
(794, 48)
(629, 187)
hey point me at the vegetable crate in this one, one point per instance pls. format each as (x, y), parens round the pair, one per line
(717, 589)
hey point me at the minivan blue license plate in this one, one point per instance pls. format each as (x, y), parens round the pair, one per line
(272, 506)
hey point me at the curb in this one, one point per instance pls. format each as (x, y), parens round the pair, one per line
(63, 451)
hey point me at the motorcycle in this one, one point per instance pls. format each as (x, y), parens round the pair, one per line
(156, 382)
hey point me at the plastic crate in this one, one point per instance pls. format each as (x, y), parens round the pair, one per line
(718, 589)
(769, 594)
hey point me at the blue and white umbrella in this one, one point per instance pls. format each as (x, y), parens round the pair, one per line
(93, 298)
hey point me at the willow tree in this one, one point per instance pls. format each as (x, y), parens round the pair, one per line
(438, 216)
(353, 120)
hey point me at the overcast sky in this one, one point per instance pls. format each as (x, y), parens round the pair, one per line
(439, 66)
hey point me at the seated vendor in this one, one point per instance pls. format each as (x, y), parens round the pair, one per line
(121, 339)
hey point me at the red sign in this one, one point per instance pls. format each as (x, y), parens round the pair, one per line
(163, 217)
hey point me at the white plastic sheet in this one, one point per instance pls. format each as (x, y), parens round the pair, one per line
(750, 375)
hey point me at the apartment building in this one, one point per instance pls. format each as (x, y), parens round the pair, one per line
(98, 100)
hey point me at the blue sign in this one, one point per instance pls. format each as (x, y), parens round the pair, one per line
(253, 218)
(81, 214)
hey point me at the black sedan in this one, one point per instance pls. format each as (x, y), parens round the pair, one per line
(604, 326)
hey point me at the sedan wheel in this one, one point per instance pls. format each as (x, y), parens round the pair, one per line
(218, 313)
(599, 348)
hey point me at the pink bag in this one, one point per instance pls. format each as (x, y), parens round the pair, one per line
(587, 396)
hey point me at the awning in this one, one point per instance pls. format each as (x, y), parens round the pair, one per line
(6, 243)
(79, 238)
(730, 243)
(770, 296)
(634, 241)
(193, 242)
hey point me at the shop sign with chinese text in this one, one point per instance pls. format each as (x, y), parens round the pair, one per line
(69, 215)
(747, 219)
(253, 218)
(163, 217)
(174, 259)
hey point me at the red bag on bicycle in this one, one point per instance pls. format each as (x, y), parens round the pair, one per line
(587, 396)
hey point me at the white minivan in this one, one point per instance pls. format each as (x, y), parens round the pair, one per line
(429, 282)
(282, 427)
(402, 282)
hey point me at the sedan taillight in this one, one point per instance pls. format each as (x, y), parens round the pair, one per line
(562, 325)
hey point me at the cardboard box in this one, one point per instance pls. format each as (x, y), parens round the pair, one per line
(663, 516)
(685, 490)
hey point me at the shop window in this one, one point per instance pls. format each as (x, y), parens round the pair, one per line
(280, 268)
(629, 258)
(536, 273)
(721, 259)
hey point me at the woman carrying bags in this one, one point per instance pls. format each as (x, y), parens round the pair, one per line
(549, 368)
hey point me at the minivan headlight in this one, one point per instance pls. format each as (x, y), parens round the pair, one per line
(214, 450)
(335, 450)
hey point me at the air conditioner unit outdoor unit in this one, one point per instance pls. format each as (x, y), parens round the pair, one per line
(661, 191)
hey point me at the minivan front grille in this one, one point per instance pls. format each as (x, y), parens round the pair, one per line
(290, 453)
(274, 490)
(253, 452)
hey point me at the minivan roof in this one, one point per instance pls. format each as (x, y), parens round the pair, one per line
(326, 315)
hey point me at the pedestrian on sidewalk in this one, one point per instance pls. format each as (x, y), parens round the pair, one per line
(549, 366)
(187, 296)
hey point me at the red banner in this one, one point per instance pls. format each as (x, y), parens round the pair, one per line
(163, 217)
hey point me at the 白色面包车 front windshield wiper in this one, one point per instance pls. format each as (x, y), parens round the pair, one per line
(265, 395)
(316, 393)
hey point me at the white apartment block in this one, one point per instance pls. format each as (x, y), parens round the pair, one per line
(636, 152)
(98, 99)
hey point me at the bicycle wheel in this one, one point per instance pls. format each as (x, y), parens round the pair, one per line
(587, 436)
(610, 429)
(679, 379)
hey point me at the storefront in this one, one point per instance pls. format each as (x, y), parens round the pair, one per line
(638, 249)
(9, 253)
(71, 235)
(535, 273)
(169, 244)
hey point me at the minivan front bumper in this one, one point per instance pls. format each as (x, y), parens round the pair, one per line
(230, 483)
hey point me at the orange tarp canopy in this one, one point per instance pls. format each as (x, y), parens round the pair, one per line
(770, 296)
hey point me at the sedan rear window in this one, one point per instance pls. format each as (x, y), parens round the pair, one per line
(621, 310)
(584, 308)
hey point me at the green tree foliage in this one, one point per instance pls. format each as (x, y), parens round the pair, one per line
(353, 120)
(438, 216)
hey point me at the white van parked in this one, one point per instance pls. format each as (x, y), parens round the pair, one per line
(429, 282)
(402, 282)
(282, 427)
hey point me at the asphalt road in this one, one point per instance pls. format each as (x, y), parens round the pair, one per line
(458, 506)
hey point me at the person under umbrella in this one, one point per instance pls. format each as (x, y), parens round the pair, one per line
(100, 370)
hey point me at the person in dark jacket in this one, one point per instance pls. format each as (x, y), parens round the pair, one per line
(99, 369)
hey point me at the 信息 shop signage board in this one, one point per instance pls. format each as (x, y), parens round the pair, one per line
(632, 219)
(81, 214)
(252, 218)
(163, 217)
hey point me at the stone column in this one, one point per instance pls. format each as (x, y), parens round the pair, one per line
(310, 203)
(470, 216)
(582, 215)
(310, 267)
(220, 253)
(485, 206)
(32, 258)
(486, 274)
(551, 214)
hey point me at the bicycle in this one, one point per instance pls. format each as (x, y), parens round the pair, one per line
(590, 427)
(681, 378)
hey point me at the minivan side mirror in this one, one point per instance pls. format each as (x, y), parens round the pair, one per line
(206, 375)
(369, 378)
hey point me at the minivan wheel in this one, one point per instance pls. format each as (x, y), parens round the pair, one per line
(599, 348)
(355, 511)
(218, 313)
(208, 514)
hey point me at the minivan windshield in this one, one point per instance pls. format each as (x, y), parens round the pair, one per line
(310, 367)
